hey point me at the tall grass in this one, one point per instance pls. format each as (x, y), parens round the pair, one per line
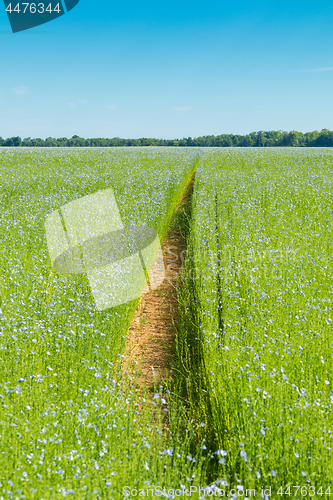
(70, 425)
(254, 348)
(255, 334)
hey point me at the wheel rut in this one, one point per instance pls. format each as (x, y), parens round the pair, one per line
(151, 337)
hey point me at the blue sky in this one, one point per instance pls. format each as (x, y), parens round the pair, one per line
(169, 69)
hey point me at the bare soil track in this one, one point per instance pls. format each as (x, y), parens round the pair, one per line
(150, 341)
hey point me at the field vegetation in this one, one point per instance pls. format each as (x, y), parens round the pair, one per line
(251, 403)
(255, 342)
(69, 421)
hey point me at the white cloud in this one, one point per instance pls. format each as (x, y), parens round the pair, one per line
(74, 105)
(112, 107)
(330, 68)
(22, 90)
(182, 108)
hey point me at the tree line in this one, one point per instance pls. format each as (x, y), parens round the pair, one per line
(274, 138)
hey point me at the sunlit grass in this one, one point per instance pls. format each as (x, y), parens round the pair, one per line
(256, 323)
(254, 349)
(69, 423)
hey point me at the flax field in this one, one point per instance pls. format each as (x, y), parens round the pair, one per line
(70, 424)
(249, 409)
(255, 341)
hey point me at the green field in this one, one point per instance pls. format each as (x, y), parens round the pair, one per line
(67, 424)
(256, 337)
(252, 402)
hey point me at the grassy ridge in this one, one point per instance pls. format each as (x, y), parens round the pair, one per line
(68, 423)
(255, 337)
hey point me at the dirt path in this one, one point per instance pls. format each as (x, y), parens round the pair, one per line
(151, 336)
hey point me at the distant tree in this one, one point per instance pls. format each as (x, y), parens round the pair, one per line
(116, 141)
(253, 136)
(270, 138)
(273, 138)
(293, 139)
(301, 139)
(26, 142)
(325, 139)
(220, 141)
(195, 142)
(261, 139)
(9, 142)
(37, 142)
(144, 141)
(246, 141)
(182, 142)
(62, 141)
(17, 141)
(76, 141)
(311, 137)
(237, 140)
(50, 142)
